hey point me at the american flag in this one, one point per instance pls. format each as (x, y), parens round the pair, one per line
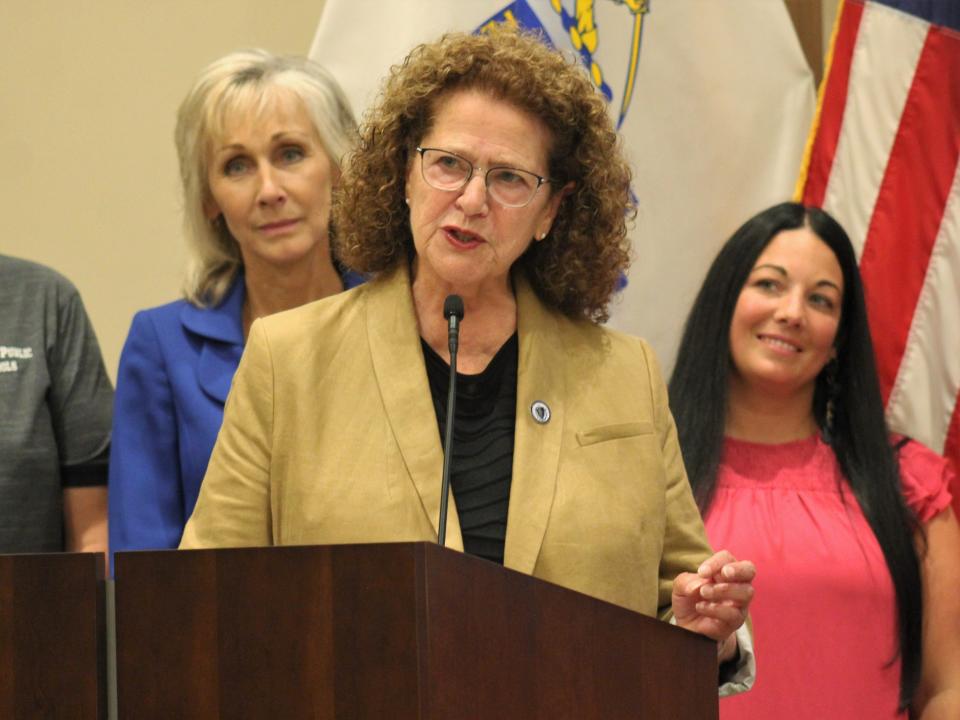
(883, 160)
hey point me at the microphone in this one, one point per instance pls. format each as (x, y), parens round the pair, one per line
(453, 312)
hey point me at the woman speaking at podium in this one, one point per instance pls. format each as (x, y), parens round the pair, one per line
(489, 169)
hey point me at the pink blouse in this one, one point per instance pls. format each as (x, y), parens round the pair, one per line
(824, 611)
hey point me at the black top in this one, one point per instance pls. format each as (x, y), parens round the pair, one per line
(482, 464)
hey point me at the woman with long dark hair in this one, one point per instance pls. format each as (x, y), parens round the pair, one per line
(780, 418)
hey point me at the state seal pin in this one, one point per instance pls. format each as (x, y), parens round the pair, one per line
(540, 411)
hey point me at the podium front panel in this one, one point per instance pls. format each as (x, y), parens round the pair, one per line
(523, 648)
(52, 636)
(405, 630)
(286, 632)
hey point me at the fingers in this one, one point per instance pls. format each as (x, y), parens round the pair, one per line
(739, 594)
(713, 564)
(686, 584)
(726, 590)
(723, 566)
(714, 601)
(742, 571)
(728, 617)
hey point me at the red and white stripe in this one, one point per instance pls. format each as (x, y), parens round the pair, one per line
(883, 160)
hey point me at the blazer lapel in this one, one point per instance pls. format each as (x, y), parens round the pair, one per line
(216, 367)
(536, 452)
(220, 331)
(394, 339)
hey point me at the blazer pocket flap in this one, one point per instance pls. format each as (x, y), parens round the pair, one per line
(613, 432)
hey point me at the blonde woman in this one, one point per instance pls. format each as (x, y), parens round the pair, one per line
(259, 138)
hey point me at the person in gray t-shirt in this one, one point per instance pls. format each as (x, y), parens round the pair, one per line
(55, 412)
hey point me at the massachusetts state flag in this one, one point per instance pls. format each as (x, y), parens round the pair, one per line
(883, 161)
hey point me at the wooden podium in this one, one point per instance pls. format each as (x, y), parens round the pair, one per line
(52, 636)
(407, 630)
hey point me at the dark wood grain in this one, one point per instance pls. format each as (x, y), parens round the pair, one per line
(387, 631)
(52, 636)
(503, 644)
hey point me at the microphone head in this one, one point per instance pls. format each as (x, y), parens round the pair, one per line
(453, 307)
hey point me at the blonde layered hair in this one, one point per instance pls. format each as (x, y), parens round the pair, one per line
(578, 267)
(246, 83)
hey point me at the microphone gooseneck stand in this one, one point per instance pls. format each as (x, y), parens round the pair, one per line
(453, 312)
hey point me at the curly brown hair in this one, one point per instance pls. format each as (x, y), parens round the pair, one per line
(577, 269)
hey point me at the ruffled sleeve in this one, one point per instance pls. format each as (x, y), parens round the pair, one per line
(925, 477)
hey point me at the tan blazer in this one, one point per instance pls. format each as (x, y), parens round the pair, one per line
(330, 436)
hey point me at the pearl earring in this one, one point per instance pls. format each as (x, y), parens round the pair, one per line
(407, 200)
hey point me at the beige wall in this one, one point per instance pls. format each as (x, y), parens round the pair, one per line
(88, 93)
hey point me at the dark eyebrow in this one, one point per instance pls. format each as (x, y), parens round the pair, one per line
(779, 268)
(783, 271)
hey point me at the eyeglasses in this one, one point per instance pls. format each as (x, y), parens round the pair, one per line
(510, 187)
